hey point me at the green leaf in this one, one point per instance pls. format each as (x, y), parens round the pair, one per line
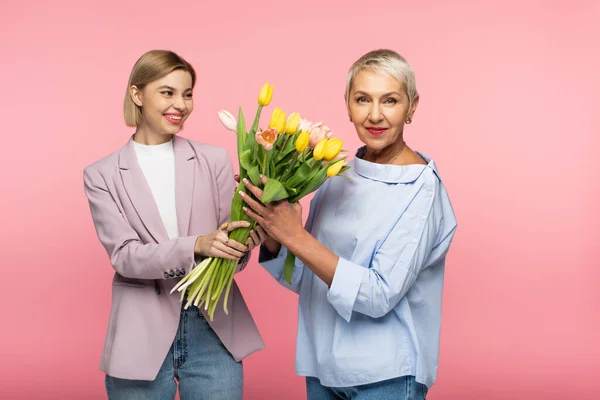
(301, 174)
(241, 131)
(246, 159)
(274, 191)
(254, 175)
(288, 267)
(256, 119)
(313, 184)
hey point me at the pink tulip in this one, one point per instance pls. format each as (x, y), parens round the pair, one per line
(267, 138)
(318, 132)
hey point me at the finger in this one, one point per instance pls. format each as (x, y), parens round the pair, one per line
(237, 224)
(254, 215)
(255, 238)
(227, 249)
(251, 244)
(261, 233)
(263, 179)
(255, 191)
(237, 246)
(256, 206)
(222, 254)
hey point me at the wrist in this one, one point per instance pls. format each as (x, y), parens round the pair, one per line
(198, 246)
(297, 241)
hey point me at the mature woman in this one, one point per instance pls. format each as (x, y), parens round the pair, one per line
(159, 204)
(372, 256)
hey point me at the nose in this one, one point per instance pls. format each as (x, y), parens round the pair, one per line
(375, 113)
(179, 103)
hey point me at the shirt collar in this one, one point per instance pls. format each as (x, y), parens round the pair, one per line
(390, 173)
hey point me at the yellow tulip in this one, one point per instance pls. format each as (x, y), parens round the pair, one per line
(319, 150)
(264, 97)
(293, 123)
(334, 169)
(302, 141)
(332, 149)
(277, 120)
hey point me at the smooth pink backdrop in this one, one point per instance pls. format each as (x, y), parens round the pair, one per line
(509, 110)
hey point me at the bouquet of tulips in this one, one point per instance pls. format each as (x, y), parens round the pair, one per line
(296, 155)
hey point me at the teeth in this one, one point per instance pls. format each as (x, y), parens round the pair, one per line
(174, 116)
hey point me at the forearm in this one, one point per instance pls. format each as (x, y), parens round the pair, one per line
(318, 258)
(153, 261)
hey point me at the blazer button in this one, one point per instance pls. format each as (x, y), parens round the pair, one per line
(171, 273)
(177, 273)
(182, 271)
(166, 275)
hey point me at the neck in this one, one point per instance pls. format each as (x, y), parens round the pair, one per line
(387, 155)
(145, 135)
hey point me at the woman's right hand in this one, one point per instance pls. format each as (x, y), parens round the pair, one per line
(218, 244)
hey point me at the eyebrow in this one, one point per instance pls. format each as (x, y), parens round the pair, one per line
(383, 95)
(172, 88)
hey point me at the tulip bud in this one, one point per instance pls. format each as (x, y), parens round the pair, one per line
(293, 123)
(302, 141)
(228, 120)
(319, 150)
(277, 120)
(264, 97)
(332, 149)
(334, 169)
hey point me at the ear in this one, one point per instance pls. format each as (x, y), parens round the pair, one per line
(413, 108)
(136, 95)
(348, 108)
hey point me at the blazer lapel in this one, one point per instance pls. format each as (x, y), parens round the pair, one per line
(140, 194)
(184, 182)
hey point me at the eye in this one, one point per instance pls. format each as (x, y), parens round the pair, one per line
(391, 100)
(189, 95)
(361, 99)
(167, 93)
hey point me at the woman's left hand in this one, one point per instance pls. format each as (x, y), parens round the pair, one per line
(281, 220)
(257, 236)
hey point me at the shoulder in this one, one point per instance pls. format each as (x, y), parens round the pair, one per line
(102, 167)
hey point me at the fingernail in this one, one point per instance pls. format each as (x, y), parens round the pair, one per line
(245, 180)
(242, 194)
(245, 209)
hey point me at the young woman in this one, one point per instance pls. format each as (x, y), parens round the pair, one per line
(372, 257)
(160, 204)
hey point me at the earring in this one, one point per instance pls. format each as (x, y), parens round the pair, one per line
(408, 121)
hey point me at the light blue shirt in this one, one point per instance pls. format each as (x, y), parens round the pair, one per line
(391, 226)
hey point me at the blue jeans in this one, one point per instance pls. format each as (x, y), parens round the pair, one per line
(403, 388)
(197, 362)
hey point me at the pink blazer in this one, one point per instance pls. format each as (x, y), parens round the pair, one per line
(144, 317)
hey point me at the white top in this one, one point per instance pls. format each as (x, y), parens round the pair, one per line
(158, 165)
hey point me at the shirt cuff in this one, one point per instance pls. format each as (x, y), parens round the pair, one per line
(273, 263)
(345, 286)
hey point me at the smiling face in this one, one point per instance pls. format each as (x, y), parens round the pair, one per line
(165, 103)
(378, 105)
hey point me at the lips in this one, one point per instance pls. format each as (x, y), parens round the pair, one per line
(376, 131)
(173, 118)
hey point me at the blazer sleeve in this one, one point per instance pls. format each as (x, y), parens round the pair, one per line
(128, 255)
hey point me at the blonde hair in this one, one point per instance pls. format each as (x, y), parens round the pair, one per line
(151, 66)
(386, 62)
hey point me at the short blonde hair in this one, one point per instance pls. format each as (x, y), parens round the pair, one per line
(153, 65)
(386, 62)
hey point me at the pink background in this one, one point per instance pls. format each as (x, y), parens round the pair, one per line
(509, 110)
